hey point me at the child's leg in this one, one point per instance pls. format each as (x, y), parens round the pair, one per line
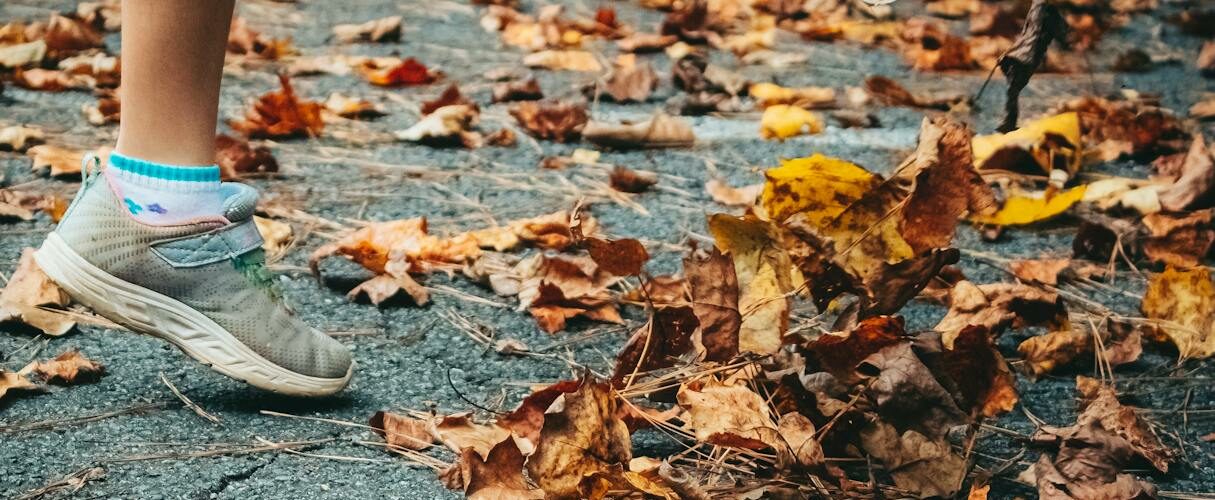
(172, 60)
(162, 246)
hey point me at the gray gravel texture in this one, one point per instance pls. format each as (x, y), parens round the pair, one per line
(406, 354)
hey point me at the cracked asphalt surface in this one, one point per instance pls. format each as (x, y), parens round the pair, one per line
(411, 358)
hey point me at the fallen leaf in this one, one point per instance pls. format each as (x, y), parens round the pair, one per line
(1049, 146)
(731, 196)
(1043, 25)
(766, 278)
(1131, 125)
(728, 415)
(892, 93)
(352, 107)
(561, 288)
(237, 158)
(1178, 240)
(281, 114)
(406, 72)
(497, 476)
(659, 131)
(275, 234)
(1193, 188)
(22, 54)
(819, 186)
(1122, 343)
(460, 432)
(385, 29)
(1020, 209)
(65, 36)
(1184, 301)
(451, 96)
(1045, 271)
(996, 306)
(17, 138)
(557, 121)
(405, 241)
(916, 462)
(68, 368)
(12, 381)
(1204, 109)
(946, 186)
(713, 285)
(782, 121)
(624, 257)
(657, 344)
(584, 436)
(631, 181)
(517, 90)
(645, 42)
(568, 60)
(930, 47)
(630, 81)
(907, 394)
(448, 125)
(769, 94)
(975, 366)
(32, 298)
(245, 40)
(839, 353)
(107, 110)
(399, 430)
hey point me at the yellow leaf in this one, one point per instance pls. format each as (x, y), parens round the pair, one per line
(866, 234)
(819, 185)
(570, 60)
(770, 94)
(783, 121)
(1186, 300)
(766, 276)
(1052, 143)
(1022, 209)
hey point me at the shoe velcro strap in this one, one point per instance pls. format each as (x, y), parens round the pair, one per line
(227, 242)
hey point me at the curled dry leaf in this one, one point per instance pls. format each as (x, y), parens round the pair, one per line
(1184, 302)
(782, 121)
(1193, 188)
(985, 385)
(891, 93)
(404, 241)
(445, 126)
(659, 131)
(1045, 271)
(14, 382)
(769, 94)
(17, 138)
(906, 393)
(1128, 126)
(400, 430)
(1121, 343)
(244, 40)
(352, 107)
(107, 110)
(657, 344)
(723, 193)
(517, 90)
(568, 60)
(624, 257)
(728, 415)
(930, 47)
(766, 278)
(713, 285)
(585, 435)
(281, 114)
(1043, 25)
(405, 72)
(22, 205)
(237, 158)
(997, 306)
(557, 121)
(630, 81)
(497, 476)
(839, 353)
(632, 181)
(946, 186)
(1178, 240)
(556, 289)
(451, 96)
(69, 367)
(30, 297)
(915, 461)
(385, 29)
(460, 432)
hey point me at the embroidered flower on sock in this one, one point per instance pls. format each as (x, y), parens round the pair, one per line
(155, 207)
(133, 207)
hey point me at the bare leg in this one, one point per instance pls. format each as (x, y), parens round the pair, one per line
(172, 61)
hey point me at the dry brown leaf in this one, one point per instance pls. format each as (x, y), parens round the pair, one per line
(839, 353)
(1204, 109)
(645, 42)
(69, 367)
(17, 138)
(713, 286)
(557, 288)
(731, 196)
(631, 181)
(237, 158)
(766, 278)
(657, 344)
(400, 430)
(244, 40)
(12, 381)
(584, 436)
(446, 126)
(946, 186)
(624, 257)
(405, 242)
(460, 432)
(1046, 353)
(1178, 240)
(517, 90)
(891, 93)
(630, 81)
(22, 205)
(1193, 188)
(1045, 271)
(385, 29)
(28, 295)
(930, 47)
(659, 131)
(107, 110)
(281, 114)
(58, 161)
(557, 121)
(997, 306)
(916, 462)
(728, 415)
(1184, 301)
(1099, 402)
(276, 235)
(568, 60)
(402, 72)
(354, 108)
(22, 54)
(975, 366)
(1131, 126)
(498, 475)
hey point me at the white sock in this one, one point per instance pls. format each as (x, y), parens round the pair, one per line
(159, 194)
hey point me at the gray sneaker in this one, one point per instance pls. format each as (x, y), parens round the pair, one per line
(202, 286)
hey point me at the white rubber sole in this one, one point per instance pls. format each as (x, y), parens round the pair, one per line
(148, 312)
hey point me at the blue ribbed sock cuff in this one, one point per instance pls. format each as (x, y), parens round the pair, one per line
(160, 171)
